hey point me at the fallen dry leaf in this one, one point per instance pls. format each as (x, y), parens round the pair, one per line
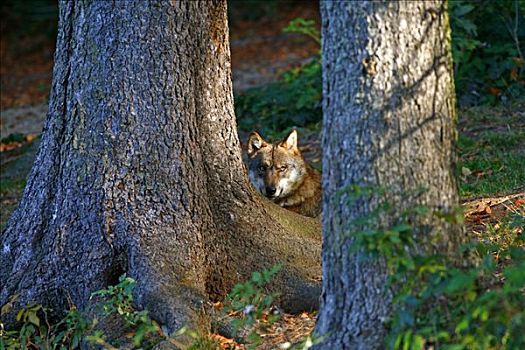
(478, 173)
(30, 137)
(519, 202)
(4, 147)
(226, 343)
(465, 171)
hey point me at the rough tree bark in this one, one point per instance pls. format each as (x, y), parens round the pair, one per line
(139, 171)
(389, 122)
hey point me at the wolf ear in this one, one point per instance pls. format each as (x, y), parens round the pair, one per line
(290, 141)
(255, 143)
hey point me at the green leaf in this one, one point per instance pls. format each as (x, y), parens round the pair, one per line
(463, 10)
(418, 342)
(142, 330)
(517, 253)
(268, 300)
(399, 341)
(408, 262)
(443, 335)
(58, 338)
(96, 337)
(33, 318)
(254, 338)
(76, 340)
(515, 275)
(257, 277)
(488, 263)
(460, 281)
(462, 326)
(406, 339)
(403, 227)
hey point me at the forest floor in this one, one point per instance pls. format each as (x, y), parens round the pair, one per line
(492, 156)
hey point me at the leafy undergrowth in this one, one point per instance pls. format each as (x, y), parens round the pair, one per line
(441, 305)
(39, 330)
(472, 298)
(114, 323)
(480, 306)
(275, 108)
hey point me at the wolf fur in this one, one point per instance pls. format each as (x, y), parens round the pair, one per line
(279, 171)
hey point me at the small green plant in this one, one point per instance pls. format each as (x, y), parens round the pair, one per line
(250, 301)
(119, 299)
(438, 303)
(462, 308)
(37, 332)
(204, 343)
(304, 26)
(486, 48)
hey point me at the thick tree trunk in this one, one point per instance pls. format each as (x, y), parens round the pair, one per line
(140, 171)
(389, 122)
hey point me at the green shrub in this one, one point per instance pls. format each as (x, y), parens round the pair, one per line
(252, 304)
(488, 61)
(273, 109)
(439, 304)
(38, 332)
(119, 300)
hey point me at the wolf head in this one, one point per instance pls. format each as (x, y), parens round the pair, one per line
(276, 170)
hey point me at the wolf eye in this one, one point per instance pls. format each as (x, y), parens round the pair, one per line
(283, 168)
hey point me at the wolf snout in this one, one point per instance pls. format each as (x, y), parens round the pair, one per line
(270, 191)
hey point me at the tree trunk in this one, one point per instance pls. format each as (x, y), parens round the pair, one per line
(389, 122)
(139, 171)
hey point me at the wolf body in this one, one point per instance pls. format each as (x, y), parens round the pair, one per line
(279, 172)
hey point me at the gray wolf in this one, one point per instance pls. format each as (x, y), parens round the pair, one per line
(279, 172)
